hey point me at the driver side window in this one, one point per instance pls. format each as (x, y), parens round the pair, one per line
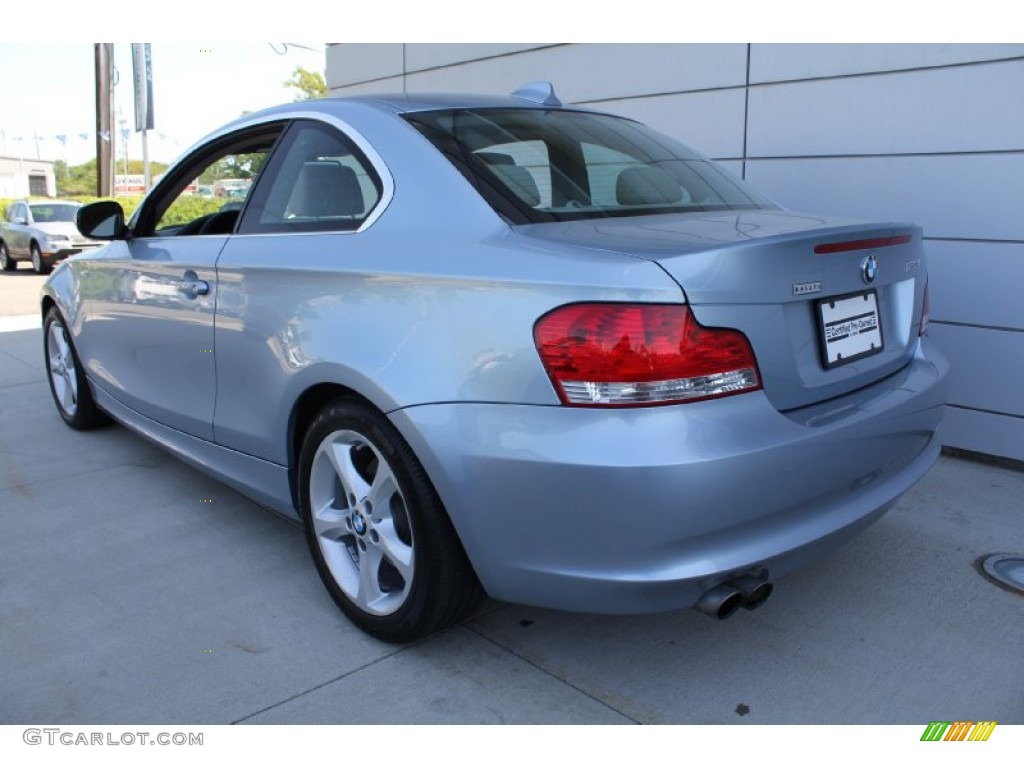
(205, 195)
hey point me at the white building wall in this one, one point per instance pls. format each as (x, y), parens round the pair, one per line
(15, 173)
(927, 133)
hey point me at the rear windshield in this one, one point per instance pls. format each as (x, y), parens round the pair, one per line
(536, 165)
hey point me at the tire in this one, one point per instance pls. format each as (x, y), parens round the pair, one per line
(380, 537)
(40, 266)
(68, 385)
(7, 264)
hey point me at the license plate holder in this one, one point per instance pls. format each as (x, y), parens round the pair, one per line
(850, 327)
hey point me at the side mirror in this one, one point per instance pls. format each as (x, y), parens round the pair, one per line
(19, 220)
(103, 220)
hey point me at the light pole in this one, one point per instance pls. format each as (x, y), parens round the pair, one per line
(124, 145)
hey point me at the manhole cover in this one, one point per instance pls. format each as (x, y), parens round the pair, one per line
(1005, 570)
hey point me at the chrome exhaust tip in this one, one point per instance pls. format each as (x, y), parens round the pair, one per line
(721, 602)
(754, 589)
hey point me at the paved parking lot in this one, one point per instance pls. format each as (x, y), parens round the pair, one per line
(127, 598)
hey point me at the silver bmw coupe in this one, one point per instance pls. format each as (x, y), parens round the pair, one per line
(501, 346)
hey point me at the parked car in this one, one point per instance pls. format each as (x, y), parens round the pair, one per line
(503, 346)
(42, 232)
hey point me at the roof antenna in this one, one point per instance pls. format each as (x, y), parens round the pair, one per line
(540, 92)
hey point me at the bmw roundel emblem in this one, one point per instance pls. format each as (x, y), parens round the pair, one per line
(869, 269)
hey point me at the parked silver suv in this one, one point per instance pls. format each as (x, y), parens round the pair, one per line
(40, 231)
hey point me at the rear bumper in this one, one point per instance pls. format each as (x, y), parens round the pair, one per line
(643, 510)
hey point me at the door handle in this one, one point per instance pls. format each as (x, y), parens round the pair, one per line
(191, 285)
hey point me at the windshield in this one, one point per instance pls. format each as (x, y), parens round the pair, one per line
(53, 212)
(551, 165)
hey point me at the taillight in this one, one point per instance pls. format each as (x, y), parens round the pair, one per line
(923, 327)
(641, 354)
(862, 245)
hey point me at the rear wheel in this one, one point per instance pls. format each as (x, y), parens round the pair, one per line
(70, 390)
(378, 533)
(40, 266)
(7, 264)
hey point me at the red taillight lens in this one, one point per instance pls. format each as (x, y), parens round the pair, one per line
(925, 309)
(641, 354)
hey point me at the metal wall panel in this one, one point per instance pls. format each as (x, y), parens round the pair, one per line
(584, 73)
(960, 109)
(775, 62)
(977, 283)
(387, 85)
(951, 196)
(987, 367)
(999, 435)
(419, 56)
(350, 63)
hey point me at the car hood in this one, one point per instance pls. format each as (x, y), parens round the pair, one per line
(57, 227)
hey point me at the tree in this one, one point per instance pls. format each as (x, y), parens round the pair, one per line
(311, 85)
(81, 179)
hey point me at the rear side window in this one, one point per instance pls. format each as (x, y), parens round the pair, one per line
(537, 165)
(318, 181)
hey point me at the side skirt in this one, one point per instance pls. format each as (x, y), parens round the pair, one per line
(261, 481)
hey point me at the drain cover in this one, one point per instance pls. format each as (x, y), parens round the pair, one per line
(1005, 570)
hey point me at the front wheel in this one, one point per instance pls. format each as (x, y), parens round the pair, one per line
(68, 385)
(378, 533)
(40, 266)
(7, 264)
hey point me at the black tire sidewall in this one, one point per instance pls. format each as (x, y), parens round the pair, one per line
(43, 267)
(87, 415)
(426, 517)
(6, 262)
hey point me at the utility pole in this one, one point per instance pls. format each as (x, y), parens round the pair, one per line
(105, 139)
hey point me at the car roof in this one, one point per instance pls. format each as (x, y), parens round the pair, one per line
(405, 103)
(421, 102)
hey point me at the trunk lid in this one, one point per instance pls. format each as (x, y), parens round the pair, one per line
(765, 272)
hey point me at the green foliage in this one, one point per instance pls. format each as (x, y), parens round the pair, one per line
(189, 207)
(310, 85)
(81, 179)
(242, 166)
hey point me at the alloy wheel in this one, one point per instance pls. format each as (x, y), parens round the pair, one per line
(361, 522)
(62, 369)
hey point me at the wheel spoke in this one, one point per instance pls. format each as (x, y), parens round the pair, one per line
(70, 398)
(369, 586)
(330, 522)
(398, 553)
(384, 487)
(340, 454)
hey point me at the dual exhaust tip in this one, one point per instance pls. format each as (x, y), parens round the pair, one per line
(723, 601)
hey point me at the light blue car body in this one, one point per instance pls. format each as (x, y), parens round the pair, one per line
(428, 311)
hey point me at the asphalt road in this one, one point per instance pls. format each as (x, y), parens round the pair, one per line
(126, 598)
(19, 291)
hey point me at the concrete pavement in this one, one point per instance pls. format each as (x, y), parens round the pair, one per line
(126, 598)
